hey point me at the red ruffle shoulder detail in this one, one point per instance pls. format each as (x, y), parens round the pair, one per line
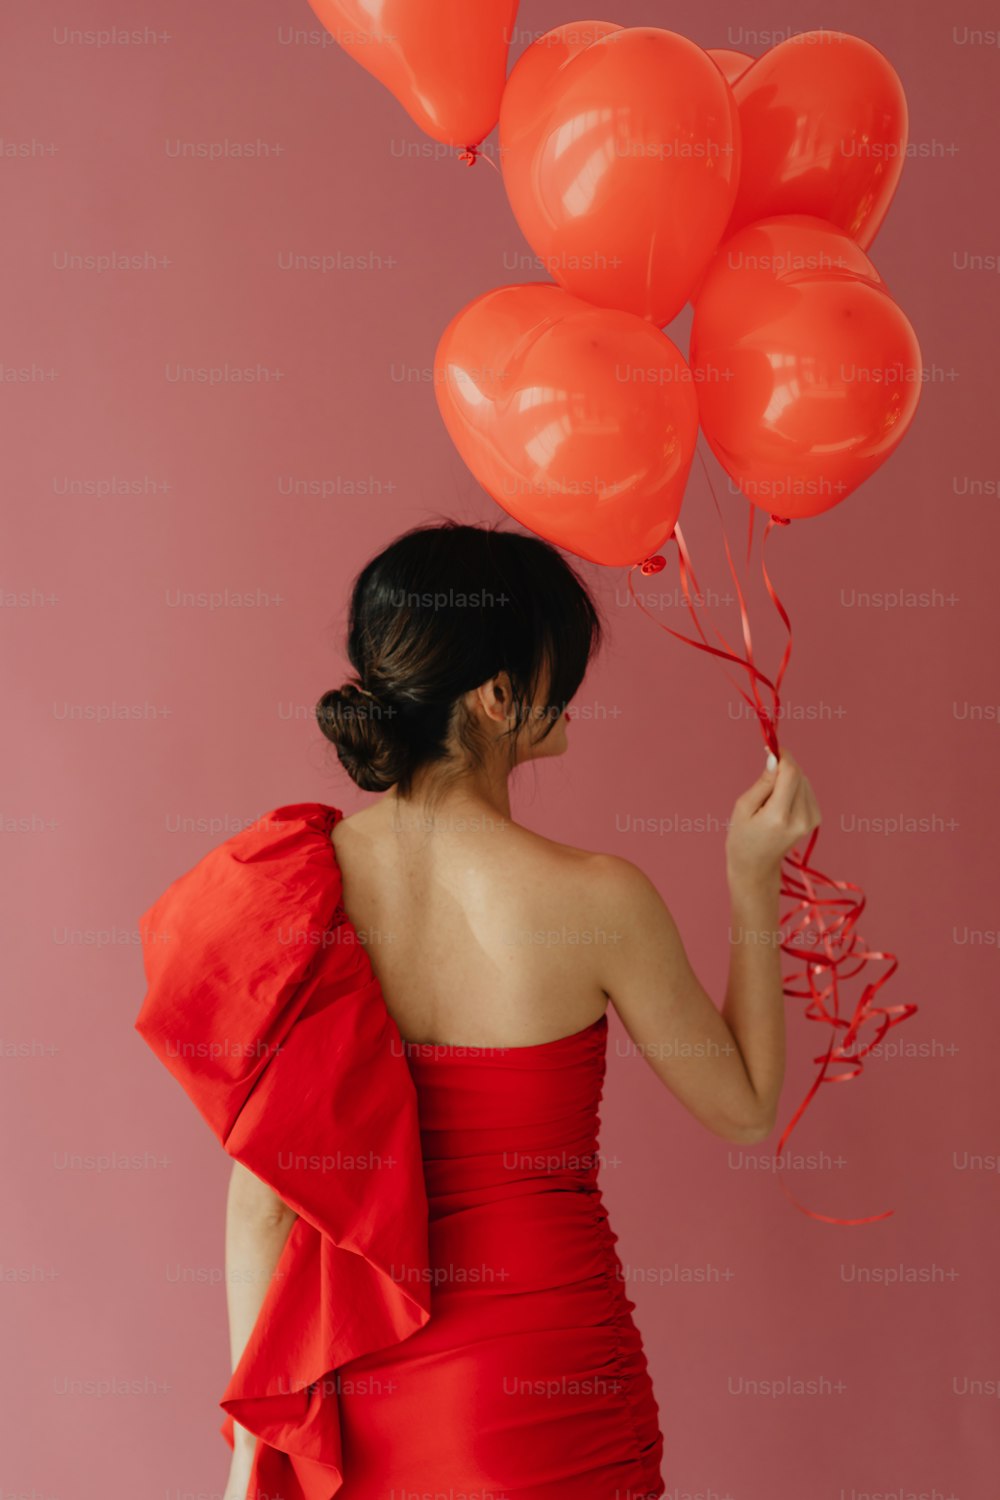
(263, 1004)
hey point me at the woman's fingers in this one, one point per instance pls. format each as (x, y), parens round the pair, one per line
(787, 784)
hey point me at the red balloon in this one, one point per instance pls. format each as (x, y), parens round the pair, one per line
(824, 124)
(445, 60)
(620, 155)
(732, 64)
(808, 374)
(580, 421)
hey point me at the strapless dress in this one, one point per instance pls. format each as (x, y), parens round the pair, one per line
(448, 1316)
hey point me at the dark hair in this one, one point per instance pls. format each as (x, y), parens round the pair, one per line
(441, 610)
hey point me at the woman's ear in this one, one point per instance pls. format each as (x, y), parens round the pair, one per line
(496, 697)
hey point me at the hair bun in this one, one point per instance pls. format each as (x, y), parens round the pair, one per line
(360, 727)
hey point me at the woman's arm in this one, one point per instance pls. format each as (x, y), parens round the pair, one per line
(726, 1067)
(258, 1223)
(754, 1008)
(673, 1021)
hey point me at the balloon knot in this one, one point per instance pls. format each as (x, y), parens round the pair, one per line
(655, 563)
(469, 156)
(782, 520)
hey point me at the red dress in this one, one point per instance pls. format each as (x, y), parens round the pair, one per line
(448, 1315)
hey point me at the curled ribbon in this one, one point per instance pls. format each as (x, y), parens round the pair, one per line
(828, 920)
(472, 154)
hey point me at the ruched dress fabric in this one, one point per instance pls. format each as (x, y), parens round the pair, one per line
(448, 1315)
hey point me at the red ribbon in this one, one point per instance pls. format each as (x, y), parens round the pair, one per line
(472, 154)
(829, 919)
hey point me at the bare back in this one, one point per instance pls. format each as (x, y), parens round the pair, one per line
(480, 932)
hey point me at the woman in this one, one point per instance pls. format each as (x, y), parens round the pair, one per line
(449, 1316)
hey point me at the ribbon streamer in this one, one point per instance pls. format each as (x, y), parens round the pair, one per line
(823, 910)
(472, 154)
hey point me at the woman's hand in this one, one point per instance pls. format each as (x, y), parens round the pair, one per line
(768, 820)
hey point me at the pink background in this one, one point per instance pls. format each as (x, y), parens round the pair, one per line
(141, 730)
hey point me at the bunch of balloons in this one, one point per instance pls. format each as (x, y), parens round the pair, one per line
(645, 172)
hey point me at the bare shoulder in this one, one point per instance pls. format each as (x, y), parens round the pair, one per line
(597, 885)
(613, 909)
(639, 931)
(563, 862)
(621, 885)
